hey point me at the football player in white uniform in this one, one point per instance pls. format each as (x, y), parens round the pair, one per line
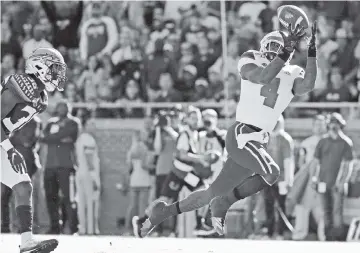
(22, 97)
(268, 85)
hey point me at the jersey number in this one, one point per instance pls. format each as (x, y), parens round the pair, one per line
(16, 121)
(269, 91)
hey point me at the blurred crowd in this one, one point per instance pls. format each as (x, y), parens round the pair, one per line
(160, 51)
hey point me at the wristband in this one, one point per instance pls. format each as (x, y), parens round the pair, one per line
(284, 55)
(6, 144)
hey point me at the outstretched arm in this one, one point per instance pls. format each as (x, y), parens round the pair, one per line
(306, 83)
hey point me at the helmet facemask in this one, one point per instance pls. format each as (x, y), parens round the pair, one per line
(271, 45)
(56, 75)
(51, 73)
(271, 49)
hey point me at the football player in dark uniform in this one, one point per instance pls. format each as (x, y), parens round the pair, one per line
(22, 97)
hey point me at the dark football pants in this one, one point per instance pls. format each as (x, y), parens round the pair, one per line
(56, 179)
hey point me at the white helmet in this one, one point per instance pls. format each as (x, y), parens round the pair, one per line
(48, 65)
(271, 45)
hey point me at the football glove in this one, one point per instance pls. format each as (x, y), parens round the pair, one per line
(17, 161)
(312, 42)
(292, 38)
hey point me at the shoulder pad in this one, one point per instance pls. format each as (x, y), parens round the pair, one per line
(25, 87)
(251, 57)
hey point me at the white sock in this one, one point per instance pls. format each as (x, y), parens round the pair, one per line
(26, 237)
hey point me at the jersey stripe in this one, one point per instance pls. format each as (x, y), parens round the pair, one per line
(261, 157)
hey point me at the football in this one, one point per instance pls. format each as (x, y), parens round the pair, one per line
(291, 14)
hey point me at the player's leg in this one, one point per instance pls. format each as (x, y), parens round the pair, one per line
(51, 186)
(131, 209)
(253, 157)
(81, 205)
(22, 190)
(89, 207)
(66, 188)
(220, 205)
(169, 192)
(229, 178)
(6, 193)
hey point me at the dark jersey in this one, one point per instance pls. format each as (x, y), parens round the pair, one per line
(21, 100)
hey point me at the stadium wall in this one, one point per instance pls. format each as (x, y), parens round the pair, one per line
(114, 139)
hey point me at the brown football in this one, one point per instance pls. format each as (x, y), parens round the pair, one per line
(291, 14)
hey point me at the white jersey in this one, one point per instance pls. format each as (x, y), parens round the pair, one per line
(261, 105)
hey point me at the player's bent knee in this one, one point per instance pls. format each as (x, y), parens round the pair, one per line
(23, 190)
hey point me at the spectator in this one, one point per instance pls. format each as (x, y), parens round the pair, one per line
(186, 57)
(98, 34)
(344, 55)
(268, 17)
(216, 86)
(89, 80)
(132, 94)
(232, 59)
(88, 179)
(337, 90)
(251, 10)
(201, 91)
(7, 66)
(37, 41)
(164, 145)
(72, 96)
(186, 84)
(26, 142)
(167, 91)
(194, 31)
(60, 135)
(140, 179)
(246, 34)
(310, 201)
(65, 18)
(205, 57)
(281, 148)
(9, 43)
(333, 153)
(154, 65)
